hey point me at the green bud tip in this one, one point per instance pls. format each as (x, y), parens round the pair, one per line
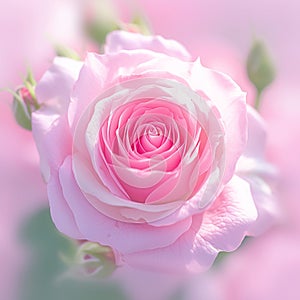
(260, 68)
(96, 260)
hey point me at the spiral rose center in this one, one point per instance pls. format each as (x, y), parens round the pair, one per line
(152, 140)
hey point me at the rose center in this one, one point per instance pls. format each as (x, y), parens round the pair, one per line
(152, 139)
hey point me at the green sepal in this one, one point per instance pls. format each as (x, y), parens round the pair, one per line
(30, 79)
(24, 103)
(63, 51)
(95, 249)
(21, 111)
(142, 24)
(101, 259)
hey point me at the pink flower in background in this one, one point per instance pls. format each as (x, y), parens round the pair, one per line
(139, 149)
(268, 268)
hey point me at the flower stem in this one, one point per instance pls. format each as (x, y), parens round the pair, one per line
(257, 100)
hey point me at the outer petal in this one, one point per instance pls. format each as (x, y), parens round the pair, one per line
(101, 72)
(220, 228)
(61, 214)
(231, 103)
(49, 123)
(122, 237)
(261, 175)
(257, 135)
(123, 40)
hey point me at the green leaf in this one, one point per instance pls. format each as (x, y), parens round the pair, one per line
(45, 276)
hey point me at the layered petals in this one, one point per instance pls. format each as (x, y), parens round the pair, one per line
(221, 228)
(141, 148)
(123, 237)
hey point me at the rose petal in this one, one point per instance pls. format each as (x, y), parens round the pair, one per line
(49, 123)
(231, 103)
(257, 134)
(123, 40)
(61, 214)
(261, 175)
(123, 237)
(221, 228)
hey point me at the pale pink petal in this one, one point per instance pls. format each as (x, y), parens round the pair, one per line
(231, 103)
(49, 123)
(53, 140)
(221, 228)
(261, 175)
(226, 222)
(57, 83)
(266, 204)
(123, 237)
(123, 40)
(257, 134)
(61, 214)
(89, 85)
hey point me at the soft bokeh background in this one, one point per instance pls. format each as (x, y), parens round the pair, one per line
(221, 33)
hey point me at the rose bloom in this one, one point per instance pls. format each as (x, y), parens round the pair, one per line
(151, 154)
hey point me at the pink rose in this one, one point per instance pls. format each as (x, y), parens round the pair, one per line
(139, 148)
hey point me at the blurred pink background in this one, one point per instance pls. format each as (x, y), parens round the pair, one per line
(221, 33)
